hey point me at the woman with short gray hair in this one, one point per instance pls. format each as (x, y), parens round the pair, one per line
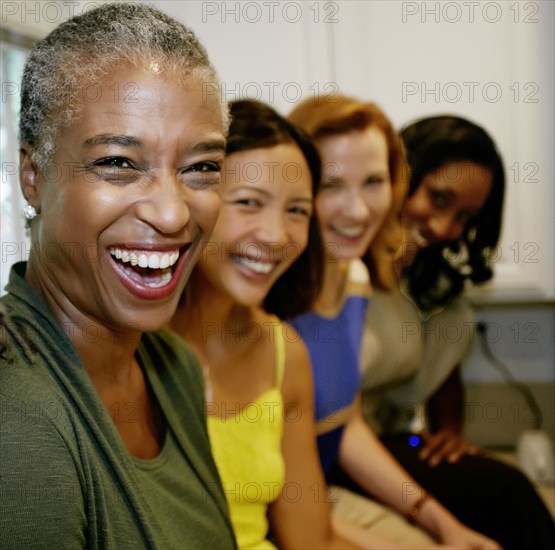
(103, 438)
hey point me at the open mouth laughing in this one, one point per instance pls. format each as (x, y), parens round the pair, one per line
(150, 268)
(418, 238)
(349, 232)
(255, 265)
(148, 273)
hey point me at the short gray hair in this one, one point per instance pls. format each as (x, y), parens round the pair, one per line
(83, 49)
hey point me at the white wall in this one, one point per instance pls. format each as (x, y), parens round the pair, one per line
(489, 61)
(522, 337)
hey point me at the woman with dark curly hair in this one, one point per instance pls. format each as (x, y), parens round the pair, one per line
(451, 226)
(453, 210)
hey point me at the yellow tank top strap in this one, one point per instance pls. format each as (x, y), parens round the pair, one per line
(280, 350)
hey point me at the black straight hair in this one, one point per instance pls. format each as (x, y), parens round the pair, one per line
(255, 125)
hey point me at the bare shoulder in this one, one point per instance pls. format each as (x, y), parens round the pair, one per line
(358, 281)
(297, 379)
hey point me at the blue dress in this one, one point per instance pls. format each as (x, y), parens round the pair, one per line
(334, 346)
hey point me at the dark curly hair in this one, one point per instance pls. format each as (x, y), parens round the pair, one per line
(431, 143)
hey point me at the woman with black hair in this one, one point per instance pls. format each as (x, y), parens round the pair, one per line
(265, 248)
(417, 335)
(454, 207)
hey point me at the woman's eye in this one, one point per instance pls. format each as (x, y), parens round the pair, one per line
(117, 170)
(300, 211)
(202, 175)
(205, 167)
(375, 180)
(248, 202)
(113, 162)
(439, 200)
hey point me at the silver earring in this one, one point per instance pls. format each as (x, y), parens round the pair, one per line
(29, 212)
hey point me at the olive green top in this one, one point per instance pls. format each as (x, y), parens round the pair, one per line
(66, 478)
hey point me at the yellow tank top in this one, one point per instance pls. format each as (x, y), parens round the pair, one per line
(247, 451)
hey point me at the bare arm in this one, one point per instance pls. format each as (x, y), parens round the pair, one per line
(369, 463)
(445, 412)
(301, 516)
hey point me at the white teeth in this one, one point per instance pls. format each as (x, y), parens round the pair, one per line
(146, 258)
(143, 260)
(419, 239)
(255, 265)
(349, 232)
(164, 279)
(154, 262)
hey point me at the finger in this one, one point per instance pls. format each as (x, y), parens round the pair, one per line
(473, 450)
(431, 443)
(464, 449)
(457, 454)
(450, 448)
(439, 453)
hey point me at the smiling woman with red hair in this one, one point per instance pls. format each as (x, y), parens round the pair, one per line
(358, 207)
